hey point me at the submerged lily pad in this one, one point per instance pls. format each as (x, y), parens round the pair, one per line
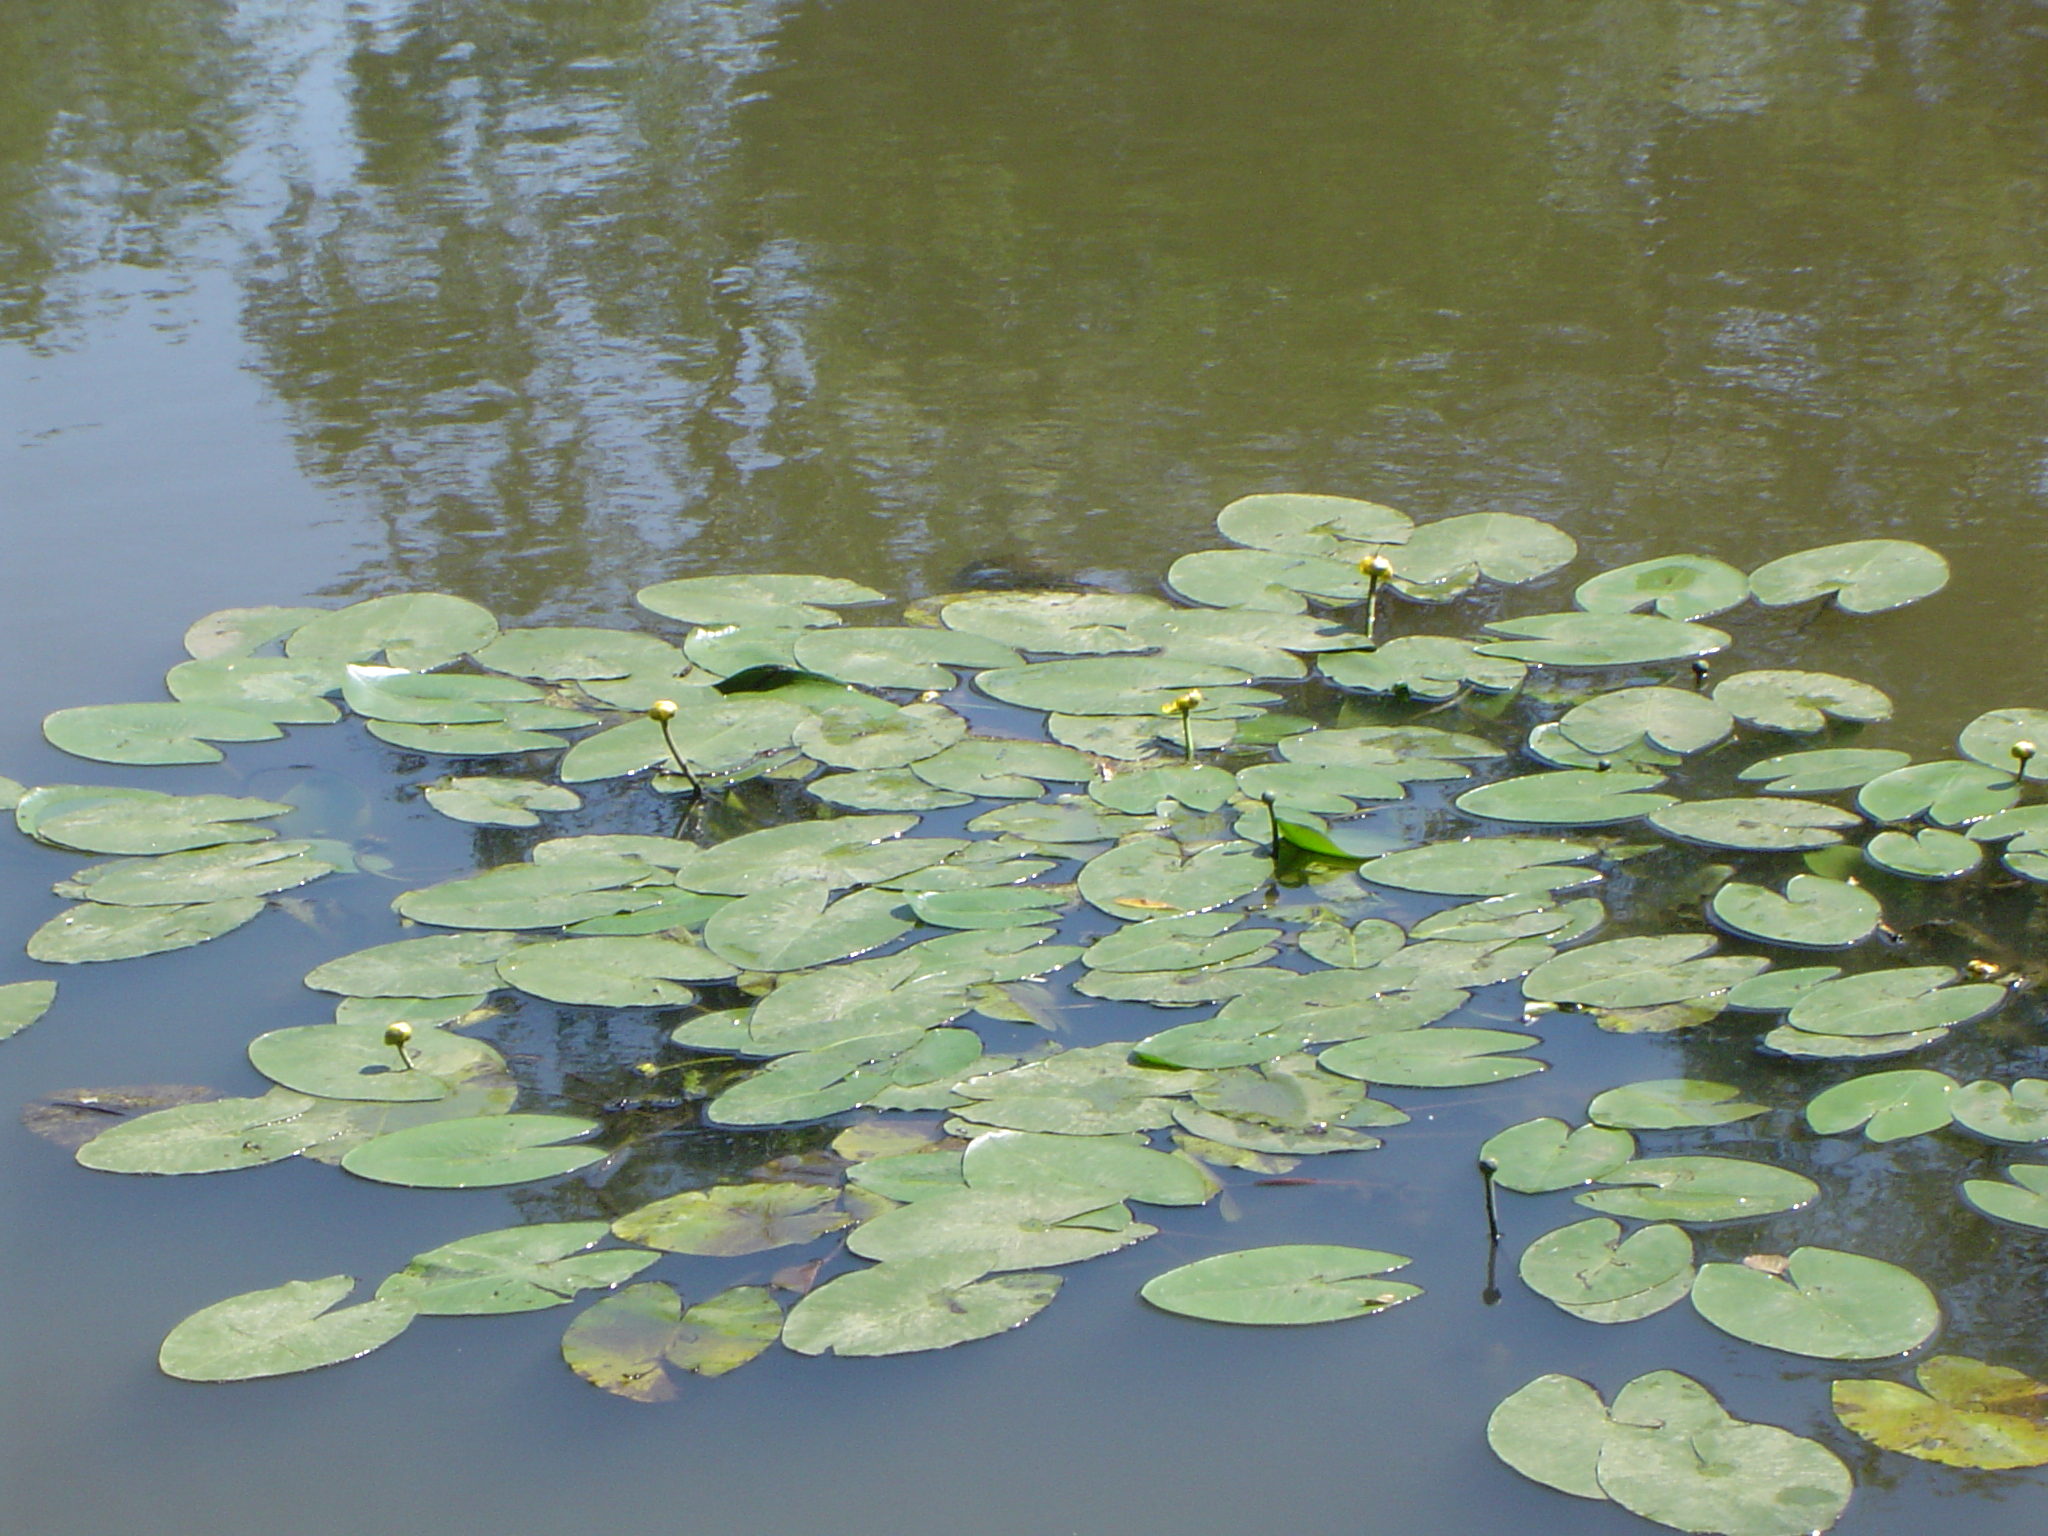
(514, 1269)
(1589, 1271)
(1827, 1304)
(1285, 1285)
(1812, 913)
(908, 1305)
(1969, 1414)
(475, 1153)
(290, 1327)
(1864, 576)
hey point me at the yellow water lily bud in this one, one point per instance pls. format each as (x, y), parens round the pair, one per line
(662, 709)
(646, 1069)
(2024, 751)
(1378, 567)
(1183, 706)
(398, 1035)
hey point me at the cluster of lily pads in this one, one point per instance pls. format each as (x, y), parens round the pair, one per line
(1216, 806)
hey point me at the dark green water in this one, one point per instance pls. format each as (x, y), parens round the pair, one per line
(539, 304)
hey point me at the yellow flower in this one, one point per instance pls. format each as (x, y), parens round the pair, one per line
(662, 709)
(1183, 706)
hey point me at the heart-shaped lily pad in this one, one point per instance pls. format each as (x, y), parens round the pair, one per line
(476, 1153)
(2023, 1201)
(1969, 1414)
(153, 733)
(1890, 1106)
(1600, 639)
(1640, 972)
(515, 1269)
(353, 1061)
(290, 1327)
(1823, 770)
(493, 802)
(1812, 913)
(1864, 576)
(1700, 1189)
(909, 1305)
(1542, 1155)
(1827, 1304)
(1670, 719)
(1929, 854)
(1423, 667)
(1670, 1104)
(415, 630)
(2015, 1114)
(1568, 798)
(1150, 876)
(1892, 1002)
(1295, 523)
(1589, 1271)
(1434, 1058)
(1677, 586)
(1799, 702)
(1758, 824)
(1287, 1284)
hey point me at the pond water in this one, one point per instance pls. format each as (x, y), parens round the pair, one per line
(539, 305)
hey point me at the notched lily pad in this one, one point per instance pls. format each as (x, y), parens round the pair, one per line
(290, 1327)
(1969, 1414)
(1288, 1284)
(1826, 1304)
(1863, 576)
(1591, 1272)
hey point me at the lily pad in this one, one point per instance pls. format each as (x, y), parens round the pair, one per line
(1180, 943)
(570, 654)
(1297, 523)
(1008, 770)
(352, 1061)
(793, 600)
(1568, 798)
(1264, 581)
(910, 1305)
(1423, 667)
(1670, 1104)
(890, 657)
(1759, 824)
(722, 1333)
(153, 733)
(1285, 1285)
(22, 1003)
(1446, 1057)
(415, 630)
(1700, 1189)
(862, 739)
(491, 802)
(1799, 702)
(612, 972)
(1122, 685)
(714, 737)
(1812, 913)
(1589, 1271)
(1411, 751)
(290, 1327)
(848, 851)
(1488, 866)
(1893, 1002)
(212, 1137)
(271, 687)
(1007, 1228)
(1600, 640)
(515, 1269)
(729, 1220)
(1969, 1414)
(1640, 972)
(623, 1343)
(1671, 719)
(1991, 737)
(1502, 918)
(200, 875)
(1823, 770)
(1501, 546)
(242, 631)
(1052, 623)
(1827, 1304)
(1150, 876)
(530, 895)
(1551, 1432)
(2015, 1114)
(1931, 854)
(448, 965)
(1538, 1156)
(1365, 943)
(1864, 576)
(1951, 793)
(883, 789)
(1199, 786)
(1787, 1041)
(800, 926)
(1677, 586)
(476, 1153)
(2023, 1201)
(1776, 991)
(140, 821)
(91, 932)
(1024, 1160)
(1890, 1106)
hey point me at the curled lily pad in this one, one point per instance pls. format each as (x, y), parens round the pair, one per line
(1823, 770)
(627, 972)
(475, 1153)
(1969, 1414)
(1894, 1002)
(1799, 702)
(1700, 1189)
(415, 630)
(153, 733)
(2023, 1201)
(91, 932)
(1756, 824)
(22, 1003)
(1589, 1271)
(1489, 866)
(515, 1269)
(137, 821)
(1542, 1155)
(1930, 854)
(449, 965)
(1298, 523)
(1827, 1304)
(1600, 640)
(1434, 1058)
(1288, 1284)
(1423, 667)
(908, 1305)
(1639, 973)
(1991, 737)
(290, 1327)
(728, 1220)
(1568, 798)
(1670, 1104)
(1149, 876)
(1677, 586)
(1864, 576)
(1670, 719)
(493, 802)
(2016, 1114)
(1890, 1106)
(1812, 913)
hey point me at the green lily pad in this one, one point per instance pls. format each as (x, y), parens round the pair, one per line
(242, 631)
(1262, 644)
(1589, 1271)
(1951, 793)
(448, 965)
(491, 802)
(1092, 1091)
(730, 649)
(1763, 825)
(476, 1153)
(569, 654)
(1264, 581)
(1255, 1133)
(1501, 546)
(908, 1176)
(1700, 1189)
(1548, 744)
(1411, 751)
(22, 1003)
(1538, 1156)
(1991, 737)
(1366, 943)
(1298, 523)
(1025, 1160)
(1149, 876)
(910, 1305)
(1669, 1104)
(1324, 789)
(1799, 702)
(1640, 972)
(483, 739)
(722, 1333)
(1970, 1414)
(139, 821)
(1551, 1432)
(729, 1220)
(1600, 640)
(1823, 770)
(612, 972)
(1180, 943)
(848, 851)
(290, 1327)
(431, 698)
(1198, 786)
(153, 733)
(212, 1137)
(1488, 866)
(1499, 919)
(352, 1061)
(1667, 718)
(1864, 576)
(271, 687)
(624, 1343)
(1827, 1304)
(1434, 1058)
(1892, 1002)
(1284, 1285)
(714, 737)
(1140, 738)
(515, 1269)
(1006, 1228)
(1812, 914)
(1930, 854)
(863, 739)
(812, 1085)
(530, 895)
(1777, 991)
(1002, 906)
(200, 875)
(1890, 1106)
(2027, 827)
(1681, 587)
(2017, 1114)
(1423, 667)
(415, 630)
(1121, 685)
(719, 600)
(1568, 798)
(891, 657)
(883, 789)
(1053, 623)
(1008, 770)
(2023, 1201)
(1787, 1041)
(800, 926)
(91, 932)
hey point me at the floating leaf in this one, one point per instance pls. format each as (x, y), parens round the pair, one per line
(1434, 1058)
(1895, 1105)
(1700, 1189)
(1297, 523)
(1787, 1041)
(269, 687)
(883, 789)
(139, 821)
(1823, 770)
(1991, 737)
(1423, 667)
(212, 1137)
(201, 875)
(1812, 914)
(1951, 793)
(1490, 866)
(1055, 623)
(1600, 640)
(1498, 919)
(22, 1003)
(1799, 702)
(1287, 1284)
(153, 733)
(1669, 719)
(92, 932)
(1542, 1155)
(431, 698)
(415, 630)
(1827, 1304)
(2024, 1201)
(241, 631)
(1263, 581)
(722, 1333)
(619, 1343)
(1779, 990)
(1865, 576)
(1003, 769)
(1551, 1432)
(861, 739)
(499, 802)
(1366, 943)
(2017, 1114)
(908, 1176)
(1640, 972)
(752, 599)
(1410, 751)
(612, 972)
(850, 851)
(897, 657)
(799, 926)
(917, 1304)
(1501, 546)
(1180, 943)
(475, 1153)
(1119, 685)
(515, 1269)
(1093, 1091)
(1567, 798)
(353, 1061)
(1590, 1272)
(1128, 1170)
(1006, 1228)
(715, 736)
(1198, 786)
(287, 1328)
(565, 654)
(450, 965)
(1787, 824)
(530, 895)
(1970, 1415)
(480, 740)
(1151, 875)
(729, 1220)
(1677, 586)
(1931, 854)
(1670, 1104)
(1892, 1002)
